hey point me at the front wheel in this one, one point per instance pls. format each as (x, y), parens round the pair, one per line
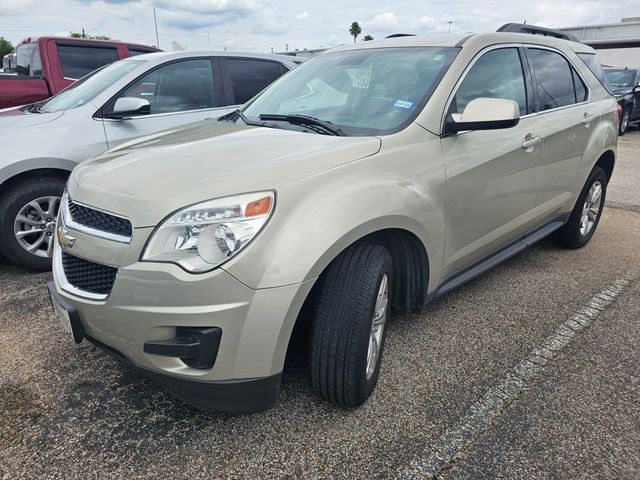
(28, 219)
(586, 214)
(348, 329)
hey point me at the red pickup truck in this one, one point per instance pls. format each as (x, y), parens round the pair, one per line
(46, 65)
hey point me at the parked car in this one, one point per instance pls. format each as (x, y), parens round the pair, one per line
(127, 99)
(9, 63)
(47, 65)
(374, 177)
(625, 83)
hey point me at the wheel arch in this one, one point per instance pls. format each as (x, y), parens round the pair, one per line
(411, 271)
(18, 171)
(606, 161)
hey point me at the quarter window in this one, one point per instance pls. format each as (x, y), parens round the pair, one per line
(496, 74)
(176, 87)
(250, 77)
(553, 78)
(80, 60)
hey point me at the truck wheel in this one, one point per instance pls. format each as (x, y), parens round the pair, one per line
(624, 121)
(348, 327)
(28, 221)
(586, 214)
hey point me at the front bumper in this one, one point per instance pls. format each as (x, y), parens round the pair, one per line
(151, 302)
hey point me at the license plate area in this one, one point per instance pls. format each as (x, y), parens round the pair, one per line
(66, 315)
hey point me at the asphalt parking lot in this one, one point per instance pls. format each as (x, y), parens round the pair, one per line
(531, 370)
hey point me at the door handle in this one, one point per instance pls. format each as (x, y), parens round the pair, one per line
(587, 119)
(530, 142)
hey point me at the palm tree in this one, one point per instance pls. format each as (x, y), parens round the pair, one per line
(355, 30)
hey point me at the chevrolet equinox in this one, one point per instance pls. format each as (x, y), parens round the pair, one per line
(373, 178)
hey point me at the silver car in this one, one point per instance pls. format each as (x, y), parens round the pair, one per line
(141, 95)
(375, 177)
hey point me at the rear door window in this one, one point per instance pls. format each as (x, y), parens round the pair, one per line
(79, 60)
(249, 77)
(552, 79)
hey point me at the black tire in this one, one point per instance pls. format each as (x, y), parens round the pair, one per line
(624, 125)
(11, 202)
(570, 235)
(342, 323)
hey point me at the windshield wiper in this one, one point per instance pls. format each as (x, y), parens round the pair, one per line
(303, 120)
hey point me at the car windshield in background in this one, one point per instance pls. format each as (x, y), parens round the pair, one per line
(362, 92)
(619, 78)
(90, 86)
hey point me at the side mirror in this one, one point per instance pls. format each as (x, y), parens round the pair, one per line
(129, 107)
(484, 114)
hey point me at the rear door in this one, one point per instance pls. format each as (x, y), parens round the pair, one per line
(179, 92)
(491, 175)
(246, 77)
(636, 96)
(566, 122)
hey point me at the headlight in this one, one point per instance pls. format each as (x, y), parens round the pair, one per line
(201, 237)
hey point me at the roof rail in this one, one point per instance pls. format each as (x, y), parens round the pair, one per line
(534, 30)
(397, 35)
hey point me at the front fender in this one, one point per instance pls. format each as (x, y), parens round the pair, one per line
(317, 218)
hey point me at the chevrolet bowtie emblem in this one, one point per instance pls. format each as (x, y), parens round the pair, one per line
(64, 239)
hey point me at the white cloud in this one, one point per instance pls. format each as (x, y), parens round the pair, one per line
(268, 22)
(303, 16)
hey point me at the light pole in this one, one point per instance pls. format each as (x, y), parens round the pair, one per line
(450, 22)
(155, 21)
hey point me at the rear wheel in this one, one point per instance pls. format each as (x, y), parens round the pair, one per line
(348, 329)
(586, 214)
(28, 219)
(624, 121)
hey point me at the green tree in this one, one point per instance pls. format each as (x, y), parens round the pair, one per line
(5, 47)
(367, 38)
(355, 30)
(84, 35)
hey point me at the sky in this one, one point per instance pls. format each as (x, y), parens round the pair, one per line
(260, 25)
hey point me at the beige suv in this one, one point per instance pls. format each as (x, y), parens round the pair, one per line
(373, 178)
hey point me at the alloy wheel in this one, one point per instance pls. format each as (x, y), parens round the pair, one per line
(591, 208)
(35, 225)
(377, 326)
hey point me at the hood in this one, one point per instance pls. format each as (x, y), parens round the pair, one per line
(151, 178)
(15, 118)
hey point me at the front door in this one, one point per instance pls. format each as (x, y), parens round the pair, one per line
(491, 175)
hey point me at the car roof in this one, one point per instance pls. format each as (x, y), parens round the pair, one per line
(462, 40)
(161, 57)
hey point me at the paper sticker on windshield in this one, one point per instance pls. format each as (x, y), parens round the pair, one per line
(406, 104)
(363, 78)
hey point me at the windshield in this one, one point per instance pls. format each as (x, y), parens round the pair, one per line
(89, 87)
(363, 92)
(620, 78)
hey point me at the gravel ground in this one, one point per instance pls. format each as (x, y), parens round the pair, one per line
(68, 412)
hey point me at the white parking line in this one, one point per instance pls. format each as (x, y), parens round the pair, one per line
(451, 444)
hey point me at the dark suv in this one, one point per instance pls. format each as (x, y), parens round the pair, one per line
(625, 83)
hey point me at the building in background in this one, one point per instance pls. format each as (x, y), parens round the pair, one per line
(617, 44)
